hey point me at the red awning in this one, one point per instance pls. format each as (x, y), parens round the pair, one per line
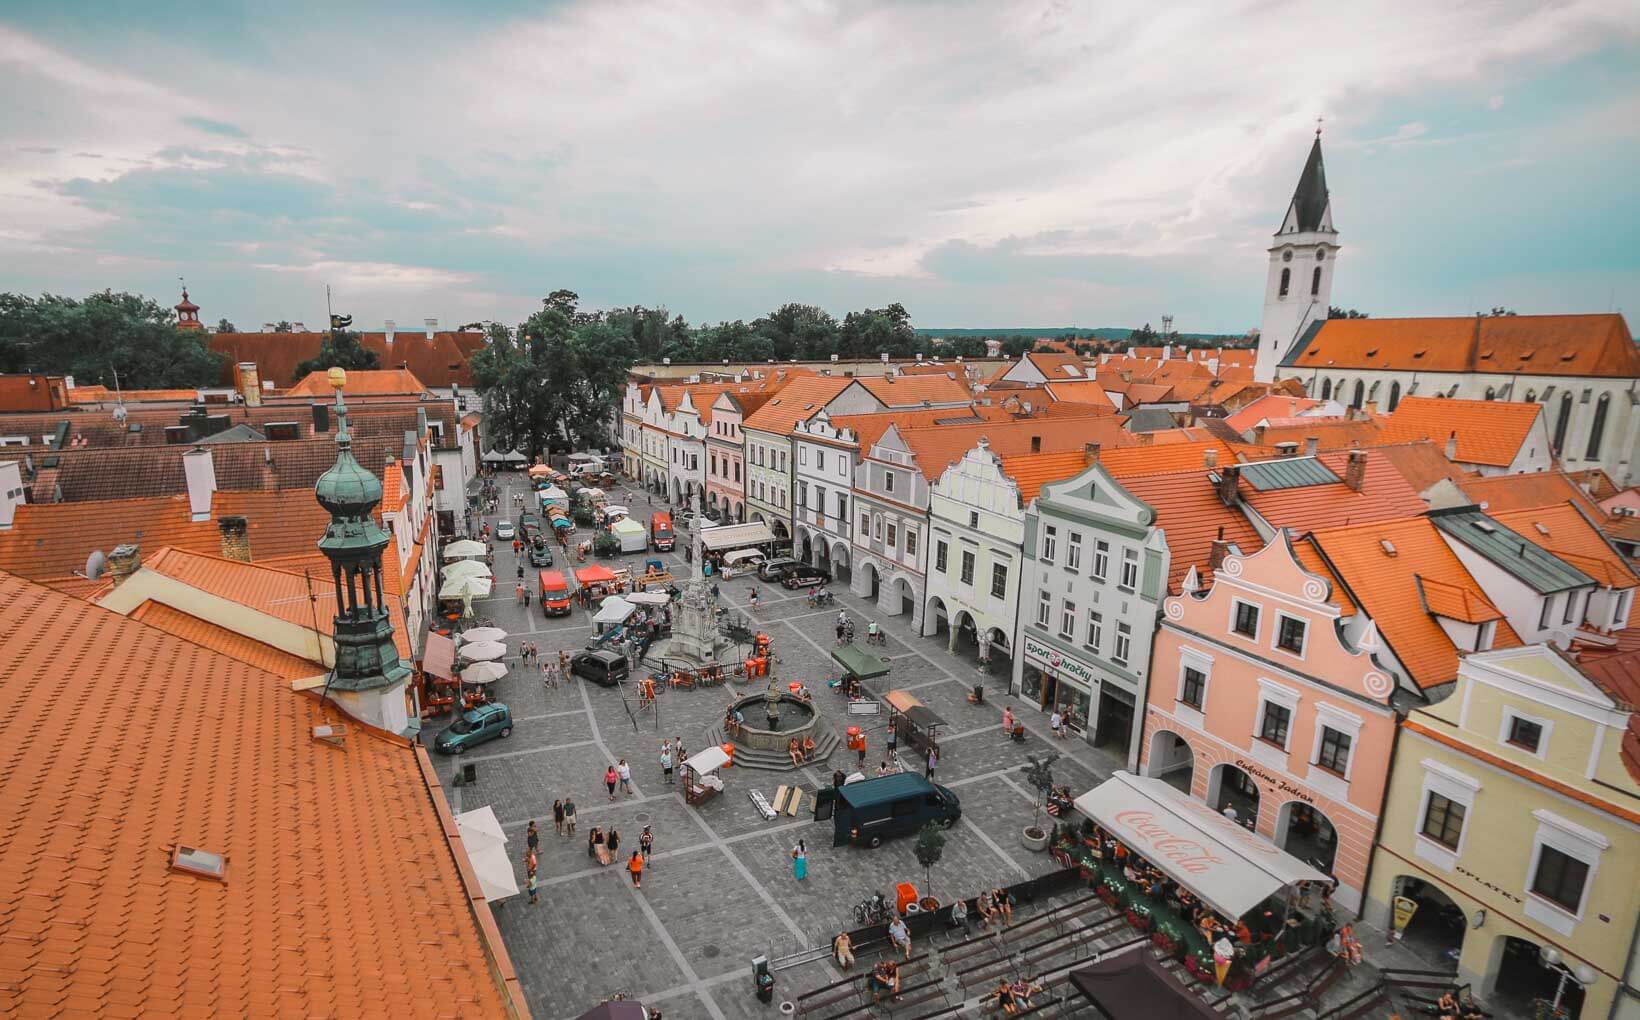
(594, 574)
(439, 657)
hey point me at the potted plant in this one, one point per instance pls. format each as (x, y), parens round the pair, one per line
(930, 845)
(1038, 773)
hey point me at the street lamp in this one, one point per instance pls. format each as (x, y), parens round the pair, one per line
(1582, 973)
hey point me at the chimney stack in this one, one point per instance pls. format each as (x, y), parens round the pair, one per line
(1312, 445)
(1090, 454)
(1258, 435)
(199, 468)
(1218, 551)
(123, 562)
(1210, 458)
(1355, 471)
(1229, 479)
(1452, 446)
(392, 327)
(1287, 448)
(432, 327)
(236, 538)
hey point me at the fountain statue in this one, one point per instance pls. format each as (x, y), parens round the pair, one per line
(695, 634)
(771, 698)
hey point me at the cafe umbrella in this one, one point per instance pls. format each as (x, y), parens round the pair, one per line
(465, 548)
(460, 570)
(483, 651)
(483, 634)
(480, 673)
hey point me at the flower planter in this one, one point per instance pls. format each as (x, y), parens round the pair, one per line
(929, 904)
(1034, 839)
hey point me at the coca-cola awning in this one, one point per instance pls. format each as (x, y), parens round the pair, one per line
(1227, 867)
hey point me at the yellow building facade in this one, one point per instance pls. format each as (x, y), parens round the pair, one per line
(1512, 821)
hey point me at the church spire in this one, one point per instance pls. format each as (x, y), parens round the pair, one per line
(1309, 211)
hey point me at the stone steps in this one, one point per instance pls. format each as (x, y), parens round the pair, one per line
(774, 761)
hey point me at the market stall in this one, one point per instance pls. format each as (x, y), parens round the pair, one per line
(916, 724)
(858, 665)
(596, 581)
(613, 612)
(701, 780)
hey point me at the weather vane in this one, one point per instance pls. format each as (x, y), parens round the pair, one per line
(1318, 127)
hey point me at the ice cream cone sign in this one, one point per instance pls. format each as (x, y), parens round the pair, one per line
(1223, 953)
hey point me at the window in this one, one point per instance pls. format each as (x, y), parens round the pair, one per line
(1335, 751)
(1598, 429)
(1193, 687)
(1073, 551)
(1560, 879)
(1130, 569)
(819, 460)
(865, 524)
(1360, 395)
(802, 494)
(1044, 607)
(1443, 821)
(1067, 620)
(1286, 281)
(1545, 612)
(877, 527)
(1525, 734)
(803, 455)
(973, 518)
(888, 481)
(842, 508)
(893, 537)
(820, 501)
(910, 542)
(941, 551)
(737, 470)
(1096, 629)
(1571, 604)
(1326, 389)
(999, 580)
(1050, 543)
(1101, 560)
(1273, 727)
(1124, 644)
(1315, 282)
(1290, 635)
(1562, 420)
(1246, 619)
(967, 567)
(782, 460)
(713, 462)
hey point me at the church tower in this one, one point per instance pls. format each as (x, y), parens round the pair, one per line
(369, 678)
(188, 313)
(1299, 285)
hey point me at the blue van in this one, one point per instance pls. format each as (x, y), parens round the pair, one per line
(868, 811)
(474, 727)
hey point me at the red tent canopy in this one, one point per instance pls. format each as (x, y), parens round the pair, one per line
(594, 574)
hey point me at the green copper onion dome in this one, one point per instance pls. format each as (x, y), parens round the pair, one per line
(347, 490)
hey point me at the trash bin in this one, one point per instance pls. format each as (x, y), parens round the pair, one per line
(762, 979)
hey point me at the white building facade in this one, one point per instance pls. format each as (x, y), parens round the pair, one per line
(827, 457)
(976, 530)
(890, 544)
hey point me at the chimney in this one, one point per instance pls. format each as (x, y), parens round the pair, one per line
(1229, 478)
(1312, 445)
(123, 562)
(432, 327)
(1287, 448)
(200, 470)
(1090, 454)
(1258, 435)
(392, 327)
(12, 492)
(1355, 471)
(1452, 446)
(1218, 551)
(1210, 458)
(236, 538)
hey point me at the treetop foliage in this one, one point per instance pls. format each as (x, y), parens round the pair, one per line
(107, 333)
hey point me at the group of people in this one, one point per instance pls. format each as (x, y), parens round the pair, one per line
(618, 773)
(1451, 1007)
(603, 848)
(1014, 996)
(801, 751)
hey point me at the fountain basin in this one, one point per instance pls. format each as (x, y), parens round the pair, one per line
(798, 718)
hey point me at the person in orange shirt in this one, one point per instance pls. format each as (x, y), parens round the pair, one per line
(635, 865)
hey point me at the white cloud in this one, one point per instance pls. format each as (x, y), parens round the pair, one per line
(373, 276)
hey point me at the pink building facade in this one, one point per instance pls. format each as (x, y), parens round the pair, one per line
(1265, 702)
(725, 470)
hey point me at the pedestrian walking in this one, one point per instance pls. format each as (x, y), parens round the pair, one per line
(569, 816)
(625, 772)
(1008, 721)
(526, 598)
(678, 752)
(613, 840)
(646, 842)
(534, 891)
(610, 779)
(1055, 721)
(635, 866)
(666, 762)
(532, 836)
(933, 761)
(520, 591)
(753, 599)
(800, 861)
(557, 817)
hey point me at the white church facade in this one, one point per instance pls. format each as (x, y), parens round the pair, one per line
(1583, 369)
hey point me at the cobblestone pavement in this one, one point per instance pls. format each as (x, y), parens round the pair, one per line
(719, 889)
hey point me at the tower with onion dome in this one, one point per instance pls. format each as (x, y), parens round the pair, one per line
(188, 313)
(369, 678)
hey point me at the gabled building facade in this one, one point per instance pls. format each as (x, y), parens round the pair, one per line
(828, 455)
(890, 522)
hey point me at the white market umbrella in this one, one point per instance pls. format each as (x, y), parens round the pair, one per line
(480, 673)
(483, 634)
(486, 845)
(460, 550)
(462, 569)
(466, 588)
(483, 651)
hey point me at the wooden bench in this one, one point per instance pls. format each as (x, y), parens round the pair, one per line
(914, 995)
(985, 973)
(949, 1011)
(862, 1010)
(968, 948)
(829, 995)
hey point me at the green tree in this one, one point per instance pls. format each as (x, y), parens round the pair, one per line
(1335, 312)
(930, 847)
(799, 331)
(106, 334)
(283, 326)
(875, 331)
(1014, 346)
(341, 349)
(224, 326)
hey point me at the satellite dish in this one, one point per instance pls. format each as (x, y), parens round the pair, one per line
(95, 564)
(120, 412)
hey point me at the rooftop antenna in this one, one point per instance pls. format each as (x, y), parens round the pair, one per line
(119, 398)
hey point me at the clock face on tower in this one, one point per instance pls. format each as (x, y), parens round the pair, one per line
(1287, 256)
(1321, 256)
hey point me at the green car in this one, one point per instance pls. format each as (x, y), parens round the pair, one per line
(475, 726)
(540, 554)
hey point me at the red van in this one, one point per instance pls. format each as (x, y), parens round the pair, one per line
(660, 531)
(554, 594)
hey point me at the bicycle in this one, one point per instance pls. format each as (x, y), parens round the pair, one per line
(872, 911)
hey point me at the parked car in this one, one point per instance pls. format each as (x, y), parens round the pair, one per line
(540, 554)
(804, 576)
(600, 665)
(775, 569)
(505, 531)
(474, 727)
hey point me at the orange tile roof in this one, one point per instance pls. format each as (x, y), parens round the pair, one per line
(1600, 484)
(913, 391)
(1580, 345)
(1422, 464)
(1562, 530)
(938, 447)
(1272, 405)
(1086, 391)
(1134, 461)
(799, 400)
(1388, 587)
(1384, 496)
(393, 488)
(344, 893)
(1192, 390)
(437, 362)
(1489, 432)
(1518, 491)
(1456, 602)
(1333, 433)
(1192, 516)
(380, 382)
(99, 394)
(219, 639)
(1032, 471)
(1059, 367)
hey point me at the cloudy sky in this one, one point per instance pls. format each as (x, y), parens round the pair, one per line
(1039, 163)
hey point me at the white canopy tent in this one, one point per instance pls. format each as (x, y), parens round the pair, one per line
(735, 536)
(473, 587)
(709, 760)
(486, 844)
(1227, 867)
(465, 568)
(481, 673)
(614, 609)
(465, 548)
(648, 598)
